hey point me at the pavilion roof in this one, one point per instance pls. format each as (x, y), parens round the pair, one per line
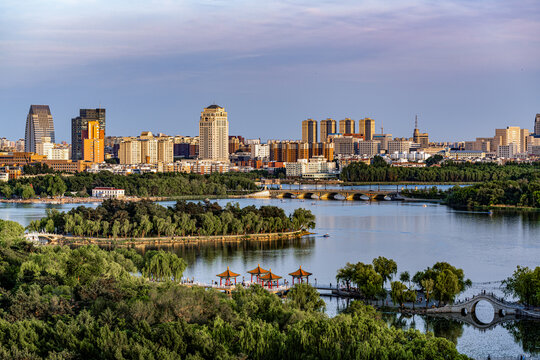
(257, 271)
(227, 274)
(270, 276)
(300, 273)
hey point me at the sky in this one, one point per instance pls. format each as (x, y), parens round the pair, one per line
(465, 67)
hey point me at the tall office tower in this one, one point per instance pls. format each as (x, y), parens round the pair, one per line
(309, 131)
(93, 141)
(328, 127)
(347, 126)
(367, 128)
(418, 137)
(214, 134)
(79, 124)
(537, 126)
(39, 124)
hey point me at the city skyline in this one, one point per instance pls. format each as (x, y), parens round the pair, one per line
(456, 64)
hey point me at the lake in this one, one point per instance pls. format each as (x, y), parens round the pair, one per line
(488, 247)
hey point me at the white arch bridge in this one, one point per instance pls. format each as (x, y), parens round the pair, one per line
(466, 311)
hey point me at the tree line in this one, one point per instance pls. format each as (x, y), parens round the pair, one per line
(523, 192)
(448, 171)
(442, 282)
(149, 184)
(139, 219)
(86, 303)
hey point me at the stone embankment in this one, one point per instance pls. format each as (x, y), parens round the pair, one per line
(54, 239)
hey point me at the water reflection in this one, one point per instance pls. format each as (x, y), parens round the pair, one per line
(250, 251)
(526, 333)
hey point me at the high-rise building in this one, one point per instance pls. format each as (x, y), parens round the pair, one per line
(93, 141)
(347, 126)
(367, 128)
(383, 139)
(165, 150)
(328, 127)
(537, 125)
(511, 135)
(214, 134)
(418, 137)
(39, 124)
(130, 151)
(399, 146)
(80, 124)
(309, 131)
(369, 147)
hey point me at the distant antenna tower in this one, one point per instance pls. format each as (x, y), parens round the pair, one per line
(416, 121)
(382, 128)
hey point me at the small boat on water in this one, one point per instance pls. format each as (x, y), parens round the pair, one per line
(313, 203)
(364, 197)
(387, 198)
(326, 235)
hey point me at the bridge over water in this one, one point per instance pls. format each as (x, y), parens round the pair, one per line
(334, 194)
(466, 311)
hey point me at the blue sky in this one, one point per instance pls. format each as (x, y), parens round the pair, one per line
(465, 67)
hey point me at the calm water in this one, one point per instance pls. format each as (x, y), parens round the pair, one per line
(488, 248)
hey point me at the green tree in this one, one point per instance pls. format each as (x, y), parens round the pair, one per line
(398, 293)
(306, 298)
(524, 284)
(385, 267)
(56, 186)
(428, 285)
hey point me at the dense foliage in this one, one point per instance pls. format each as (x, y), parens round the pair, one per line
(150, 184)
(525, 285)
(442, 282)
(84, 303)
(368, 280)
(447, 172)
(427, 193)
(144, 218)
(523, 193)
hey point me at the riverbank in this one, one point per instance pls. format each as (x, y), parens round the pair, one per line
(55, 239)
(85, 200)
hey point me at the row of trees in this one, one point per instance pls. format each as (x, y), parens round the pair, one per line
(523, 192)
(368, 279)
(84, 303)
(152, 184)
(114, 218)
(442, 281)
(380, 171)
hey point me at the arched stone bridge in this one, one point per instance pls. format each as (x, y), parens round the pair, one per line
(466, 311)
(43, 238)
(334, 194)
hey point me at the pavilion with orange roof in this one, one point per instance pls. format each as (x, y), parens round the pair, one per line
(258, 271)
(227, 275)
(300, 275)
(269, 278)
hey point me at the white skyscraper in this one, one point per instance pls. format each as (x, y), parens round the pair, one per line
(214, 134)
